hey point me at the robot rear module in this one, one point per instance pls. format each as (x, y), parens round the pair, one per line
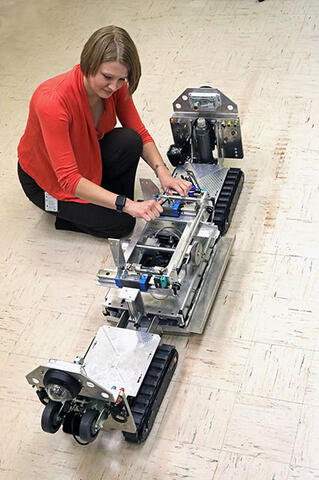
(164, 282)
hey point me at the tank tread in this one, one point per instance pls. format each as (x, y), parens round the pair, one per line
(145, 405)
(228, 198)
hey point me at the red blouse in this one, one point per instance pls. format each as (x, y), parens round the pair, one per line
(60, 143)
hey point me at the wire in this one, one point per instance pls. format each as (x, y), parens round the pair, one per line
(174, 233)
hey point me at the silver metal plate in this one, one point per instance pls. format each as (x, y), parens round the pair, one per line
(119, 358)
(219, 107)
(204, 100)
(209, 177)
(207, 293)
(210, 285)
(89, 388)
(149, 189)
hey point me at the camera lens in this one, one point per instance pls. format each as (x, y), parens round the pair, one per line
(58, 393)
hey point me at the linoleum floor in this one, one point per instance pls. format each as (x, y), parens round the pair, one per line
(244, 403)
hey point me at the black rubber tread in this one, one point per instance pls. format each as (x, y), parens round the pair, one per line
(145, 405)
(228, 198)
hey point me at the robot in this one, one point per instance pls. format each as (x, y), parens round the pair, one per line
(164, 281)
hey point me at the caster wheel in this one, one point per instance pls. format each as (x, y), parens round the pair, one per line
(88, 429)
(50, 420)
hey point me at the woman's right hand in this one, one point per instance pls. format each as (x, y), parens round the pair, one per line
(149, 209)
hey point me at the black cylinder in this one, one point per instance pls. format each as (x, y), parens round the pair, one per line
(203, 141)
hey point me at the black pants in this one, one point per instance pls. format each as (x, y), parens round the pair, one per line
(120, 151)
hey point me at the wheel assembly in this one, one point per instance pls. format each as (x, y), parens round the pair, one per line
(88, 428)
(51, 421)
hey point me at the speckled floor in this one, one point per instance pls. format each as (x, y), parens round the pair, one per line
(244, 403)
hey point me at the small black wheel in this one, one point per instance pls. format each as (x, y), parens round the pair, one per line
(88, 429)
(50, 420)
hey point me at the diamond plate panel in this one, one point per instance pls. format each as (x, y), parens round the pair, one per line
(209, 177)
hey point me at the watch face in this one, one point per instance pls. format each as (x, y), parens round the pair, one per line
(120, 202)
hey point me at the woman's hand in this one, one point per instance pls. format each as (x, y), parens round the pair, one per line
(171, 183)
(149, 209)
(153, 158)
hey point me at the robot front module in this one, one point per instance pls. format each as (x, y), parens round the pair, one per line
(165, 281)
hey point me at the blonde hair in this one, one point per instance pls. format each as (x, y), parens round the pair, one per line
(111, 44)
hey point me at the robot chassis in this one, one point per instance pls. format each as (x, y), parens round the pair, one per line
(165, 281)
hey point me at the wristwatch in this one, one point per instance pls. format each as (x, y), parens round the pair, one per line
(120, 202)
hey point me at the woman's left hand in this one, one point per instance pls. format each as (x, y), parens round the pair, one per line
(170, 183)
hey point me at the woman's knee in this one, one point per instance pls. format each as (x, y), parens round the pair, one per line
(132, 141)
(121, 142)
(122, 227)
(126, 225)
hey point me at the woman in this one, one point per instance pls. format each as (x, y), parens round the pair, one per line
(73, 163)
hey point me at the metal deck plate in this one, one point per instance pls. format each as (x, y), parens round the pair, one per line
(211, 281)
(209, 177)
(120, 358)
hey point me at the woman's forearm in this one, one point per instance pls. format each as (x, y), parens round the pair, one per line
(153, 158)
(89, 191)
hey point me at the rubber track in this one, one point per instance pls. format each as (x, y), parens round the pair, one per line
(228, 198)
(145, 405)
